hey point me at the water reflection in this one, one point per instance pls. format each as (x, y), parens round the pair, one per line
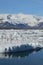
(27, 58)
(18, 54)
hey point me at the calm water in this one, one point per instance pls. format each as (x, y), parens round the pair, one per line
(23, 58)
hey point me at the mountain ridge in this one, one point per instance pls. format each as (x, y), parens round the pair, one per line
(20, 21)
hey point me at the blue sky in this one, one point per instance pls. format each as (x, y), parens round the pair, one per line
(34, 7)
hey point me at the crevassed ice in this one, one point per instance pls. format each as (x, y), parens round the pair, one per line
(9, 38)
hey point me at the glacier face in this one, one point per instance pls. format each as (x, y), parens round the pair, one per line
(20, 21)
(17, 39)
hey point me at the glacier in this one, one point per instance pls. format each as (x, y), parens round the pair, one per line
(20, 40)
(20, 32)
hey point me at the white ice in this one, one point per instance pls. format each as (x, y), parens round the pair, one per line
(19, 39)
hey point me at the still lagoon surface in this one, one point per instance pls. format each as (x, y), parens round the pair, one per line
(25, 58)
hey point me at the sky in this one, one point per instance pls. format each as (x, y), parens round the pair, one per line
(34, 7)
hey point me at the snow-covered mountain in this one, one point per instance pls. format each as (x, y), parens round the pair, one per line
(20, 21)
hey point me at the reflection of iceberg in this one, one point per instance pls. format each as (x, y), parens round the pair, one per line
(19, 54)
